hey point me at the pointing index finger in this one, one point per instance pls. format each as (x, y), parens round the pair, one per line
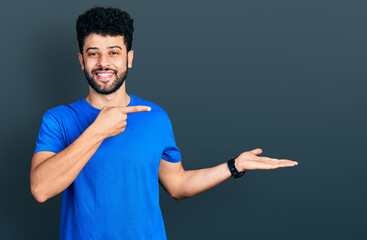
(133, 109)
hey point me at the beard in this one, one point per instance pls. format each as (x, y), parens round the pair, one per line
(115, 85)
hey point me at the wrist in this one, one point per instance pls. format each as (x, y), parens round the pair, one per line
(233, 169)
(94, 133)
(236, 164)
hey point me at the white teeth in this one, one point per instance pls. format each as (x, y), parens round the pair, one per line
(104, 74)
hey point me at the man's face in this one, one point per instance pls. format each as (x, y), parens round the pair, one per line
(105, 62)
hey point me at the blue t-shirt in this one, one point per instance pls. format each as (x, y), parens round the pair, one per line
(116, 195)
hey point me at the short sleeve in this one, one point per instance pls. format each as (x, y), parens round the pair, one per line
(171, 153)
(50, 137)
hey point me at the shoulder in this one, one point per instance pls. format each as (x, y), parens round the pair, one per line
(61, 111)
(155, 108)
(55, 112)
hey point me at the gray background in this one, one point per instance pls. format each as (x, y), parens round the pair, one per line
(286, 76)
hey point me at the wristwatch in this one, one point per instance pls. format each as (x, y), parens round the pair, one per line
(233, 168)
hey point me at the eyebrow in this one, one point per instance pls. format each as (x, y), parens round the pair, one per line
(115, 47)
(91, 48)
(109, 47)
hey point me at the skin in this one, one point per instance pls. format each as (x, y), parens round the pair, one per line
(106, 52)
(51, 173)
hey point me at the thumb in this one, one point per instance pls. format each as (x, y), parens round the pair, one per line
(256, 151)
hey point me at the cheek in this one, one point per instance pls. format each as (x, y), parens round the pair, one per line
(88, 66)
(120, 66)
(119, 63)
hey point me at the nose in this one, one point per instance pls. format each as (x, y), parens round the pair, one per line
(102, 61)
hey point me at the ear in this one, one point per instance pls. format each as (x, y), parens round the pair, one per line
(80, 56)
(130, 56)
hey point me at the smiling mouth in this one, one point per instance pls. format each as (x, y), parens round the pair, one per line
(104, 76)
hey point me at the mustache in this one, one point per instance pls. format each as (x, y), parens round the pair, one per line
(104, 69)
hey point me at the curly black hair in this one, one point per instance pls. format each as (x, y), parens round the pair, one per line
(105, 21)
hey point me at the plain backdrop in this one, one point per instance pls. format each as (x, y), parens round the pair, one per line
(286, 76)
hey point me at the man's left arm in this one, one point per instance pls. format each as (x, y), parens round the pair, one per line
(181, 184)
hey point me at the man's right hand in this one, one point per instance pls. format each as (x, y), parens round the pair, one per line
(111, 121)
(52, 173)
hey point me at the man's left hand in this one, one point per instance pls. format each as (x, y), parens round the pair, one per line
(250, 161)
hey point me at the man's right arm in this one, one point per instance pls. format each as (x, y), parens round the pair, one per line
(52, 173)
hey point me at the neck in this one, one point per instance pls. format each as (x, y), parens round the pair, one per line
(119, 98)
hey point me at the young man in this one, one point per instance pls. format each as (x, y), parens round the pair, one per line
(106, 152)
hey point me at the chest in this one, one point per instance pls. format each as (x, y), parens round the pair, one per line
(137, 150)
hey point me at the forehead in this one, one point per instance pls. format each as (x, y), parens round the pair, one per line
(95, 40)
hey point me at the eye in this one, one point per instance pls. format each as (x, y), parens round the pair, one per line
(114, 53)
(92, 54)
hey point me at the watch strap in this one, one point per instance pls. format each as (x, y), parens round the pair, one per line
(233, 169)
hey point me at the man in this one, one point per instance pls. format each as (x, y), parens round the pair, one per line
(106, 152)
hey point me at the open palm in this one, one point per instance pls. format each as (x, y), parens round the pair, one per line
(250, 161)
